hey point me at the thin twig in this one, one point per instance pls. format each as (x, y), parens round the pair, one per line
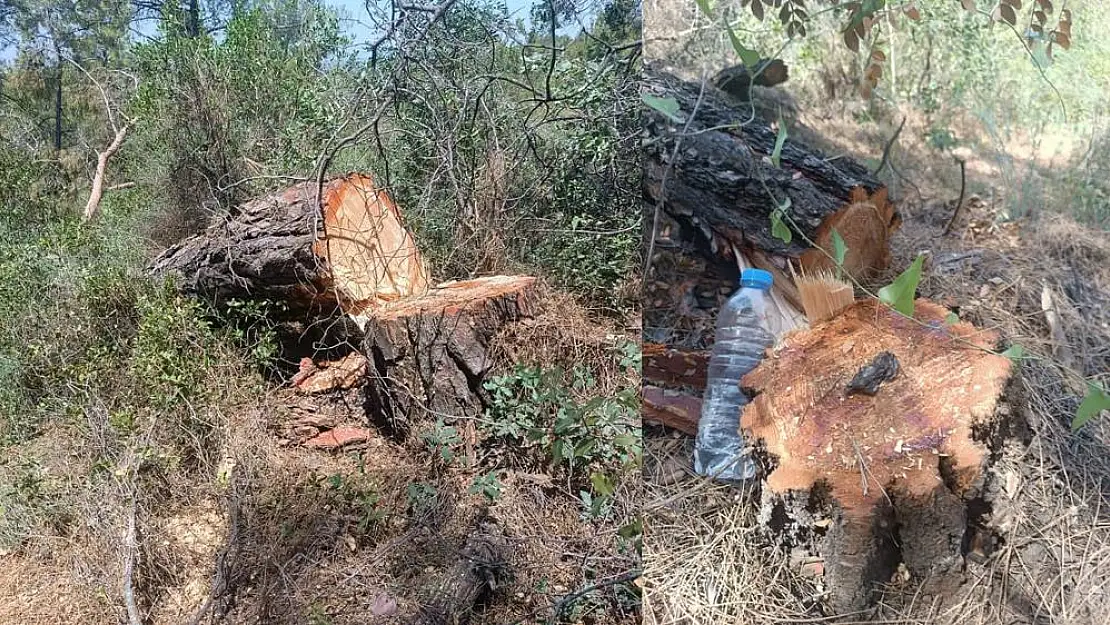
(559, 605)
(960, 201)
(131, 545)
(890, 144)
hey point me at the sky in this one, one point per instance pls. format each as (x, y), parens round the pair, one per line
(354, 22)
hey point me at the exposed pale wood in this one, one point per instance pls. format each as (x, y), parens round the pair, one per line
(323, 377)
(823, 296)
(912, 453)
(92, 207)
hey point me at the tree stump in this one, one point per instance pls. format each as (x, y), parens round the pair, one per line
(429, 354)
(353, 260)
(879, 431)
(710, 169)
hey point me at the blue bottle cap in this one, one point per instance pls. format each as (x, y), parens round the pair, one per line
(757, 278)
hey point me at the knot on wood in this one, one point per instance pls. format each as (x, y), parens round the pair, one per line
(883, 368)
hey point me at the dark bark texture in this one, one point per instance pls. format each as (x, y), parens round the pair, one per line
(721, 183)
(428, 356)
(263, 250)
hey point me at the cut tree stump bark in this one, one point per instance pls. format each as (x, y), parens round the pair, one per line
(425, 347)
(429, 354)
(710, 169)
(885, 426)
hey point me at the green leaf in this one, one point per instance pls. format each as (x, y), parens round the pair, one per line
(602, 484)
(631, 529)
(1015, 353)
(840, 249)
(951, 318)
(704, 6)
(584, 448)
(900, 293)
(749, 57)
(558, 450)
(780, 230)
(1094, 402)
(667, 106)
(776, 154)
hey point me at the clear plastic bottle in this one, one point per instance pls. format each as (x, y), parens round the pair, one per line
(742, 337)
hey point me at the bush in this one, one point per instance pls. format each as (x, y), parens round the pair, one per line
(594, 441)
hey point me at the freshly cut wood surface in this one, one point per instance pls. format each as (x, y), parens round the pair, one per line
(817, 431)
(882, 421)
(353, 254)
(373, 258)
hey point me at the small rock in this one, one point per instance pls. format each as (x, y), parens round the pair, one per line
(383, 605)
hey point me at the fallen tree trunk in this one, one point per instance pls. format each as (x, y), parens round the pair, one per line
(353, 255)
(710, 169)
(879, 430)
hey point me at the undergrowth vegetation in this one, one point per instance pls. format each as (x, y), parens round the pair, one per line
(509, 147)
(591, 441)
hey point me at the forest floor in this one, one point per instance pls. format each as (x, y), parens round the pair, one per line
(705, 558)
(365, 533)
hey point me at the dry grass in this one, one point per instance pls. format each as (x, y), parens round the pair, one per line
(254, 529)
(564, 334)
(706, 557)
(703, 559)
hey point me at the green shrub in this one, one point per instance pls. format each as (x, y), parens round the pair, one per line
(593, 440)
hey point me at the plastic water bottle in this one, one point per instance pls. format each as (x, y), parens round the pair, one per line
(741, 338)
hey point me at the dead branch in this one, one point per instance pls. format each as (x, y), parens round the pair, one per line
(960, 201)
(889, 145)
(92, 208)
(131, 546)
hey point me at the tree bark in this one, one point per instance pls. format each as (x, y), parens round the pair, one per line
(710, 169)
(58, 106)
(429, 355)
(427, 347)
(351, 256)
(192, 19)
